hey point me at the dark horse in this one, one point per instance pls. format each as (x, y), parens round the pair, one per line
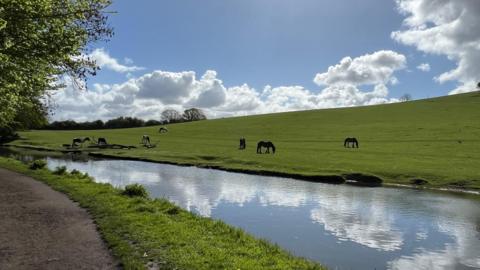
(163, 130)
(100, 141)
(350, 141)
(243, 144)
(267, 145)
(79, 141)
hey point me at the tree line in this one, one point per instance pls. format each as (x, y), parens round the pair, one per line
(168, 117)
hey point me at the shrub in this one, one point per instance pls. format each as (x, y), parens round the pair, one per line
(175, 210)
(60, 170)
(38, 164)
(76, 172)
(135, 190)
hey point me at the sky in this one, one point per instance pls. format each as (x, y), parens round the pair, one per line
(243, 57)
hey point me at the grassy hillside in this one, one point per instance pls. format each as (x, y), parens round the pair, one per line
(434, 139)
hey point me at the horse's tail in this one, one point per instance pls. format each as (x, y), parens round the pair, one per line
(259, 147)
(345, 142)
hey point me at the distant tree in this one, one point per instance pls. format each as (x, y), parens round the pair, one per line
(193, 114)
(171, 116)
(152, 123)
(120, 122)
(405, 97)
(478, 85)
(124, 122)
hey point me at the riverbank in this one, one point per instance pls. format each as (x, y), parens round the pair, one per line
(356, 179)
(143, 232)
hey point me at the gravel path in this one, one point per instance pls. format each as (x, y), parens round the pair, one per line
(42, 229)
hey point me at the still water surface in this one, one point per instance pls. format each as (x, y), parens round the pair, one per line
(343, 227)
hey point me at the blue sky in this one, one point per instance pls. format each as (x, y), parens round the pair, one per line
(279, 44)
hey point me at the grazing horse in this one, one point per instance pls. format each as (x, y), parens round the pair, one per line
(243, 144)
(350, 141)
(81, 140)
(100, 141)
(163, 130)
(145, 140)
(267, 145)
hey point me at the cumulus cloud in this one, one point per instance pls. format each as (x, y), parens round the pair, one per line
(168, 87)
(104, 60)
(210, 91)
(148, 95)
(445, 27)
(425, 67)
(376, 68)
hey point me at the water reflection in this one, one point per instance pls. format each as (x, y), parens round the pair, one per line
(343, 227)
(368, 222)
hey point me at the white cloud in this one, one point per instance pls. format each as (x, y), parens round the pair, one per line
(148, 95)
(168, 87)
(104, 60)
(210, 91)
(445, 27)
(127, 61)
(375, 68)
(425, 67)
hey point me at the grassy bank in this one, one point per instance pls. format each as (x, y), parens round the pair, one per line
(155, 233)
(437, 140)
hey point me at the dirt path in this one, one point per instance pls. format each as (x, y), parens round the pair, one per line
(42, 229)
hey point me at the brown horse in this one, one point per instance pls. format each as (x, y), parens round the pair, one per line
(267, 145)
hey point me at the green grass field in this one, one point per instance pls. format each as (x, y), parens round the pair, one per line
(434, 139)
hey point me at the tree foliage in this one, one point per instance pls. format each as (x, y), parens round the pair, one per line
(406, 97)
(171, 116)
(40, 42)
(193, 114)
(120, 122)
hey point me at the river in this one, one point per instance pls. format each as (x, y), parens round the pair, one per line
(340, 226)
